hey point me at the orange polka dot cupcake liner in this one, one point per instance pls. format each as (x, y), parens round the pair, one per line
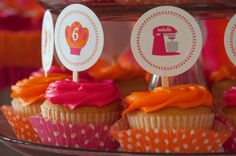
(152, 2)
(169, 140)
(20, 125)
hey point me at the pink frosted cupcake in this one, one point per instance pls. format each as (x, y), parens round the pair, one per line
(230, 104)
(226, 119)
(223, 79)
(79, 114)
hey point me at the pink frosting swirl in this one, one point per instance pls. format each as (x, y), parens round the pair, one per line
(230, 97)
(84, 93)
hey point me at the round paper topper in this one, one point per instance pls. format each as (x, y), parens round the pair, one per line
(230, 39)
(166, 41)
(47, 40)
(79, 37)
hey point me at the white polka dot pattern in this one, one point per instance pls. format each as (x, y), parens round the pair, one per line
(78, 136)
(224, 124)
(167, 140)
(20, 125)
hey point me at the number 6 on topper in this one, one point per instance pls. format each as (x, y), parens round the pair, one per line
(79, 38)
(76, 37)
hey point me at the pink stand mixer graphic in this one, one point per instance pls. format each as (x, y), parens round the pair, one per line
(162, 48)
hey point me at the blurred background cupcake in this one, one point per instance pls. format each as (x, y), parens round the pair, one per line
(20, 36)
(229, 108)
(125, 72)
(223, 79)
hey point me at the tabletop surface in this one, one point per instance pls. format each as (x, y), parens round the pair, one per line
(5, 151)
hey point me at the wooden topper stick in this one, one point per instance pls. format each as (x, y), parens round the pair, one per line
(45, 74)
(165, 82)
(75, 76)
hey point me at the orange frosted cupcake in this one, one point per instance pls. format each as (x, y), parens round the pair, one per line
(182, 107)
(28, 94)
(169, 120)
(125, 72)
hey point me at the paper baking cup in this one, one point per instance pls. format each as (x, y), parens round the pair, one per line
(19, 108)
(84, 136)
(180, 122)
(161, 140)
(95, 118)
(20, 125)
(218, 103)
(232, 119)
(150, 2)
(224, 124)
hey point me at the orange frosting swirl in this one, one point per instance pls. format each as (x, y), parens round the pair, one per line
(33, 89)
(223, 73)
(181, 96)
(122, 68)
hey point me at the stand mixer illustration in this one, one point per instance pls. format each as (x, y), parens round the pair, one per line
(162, 48)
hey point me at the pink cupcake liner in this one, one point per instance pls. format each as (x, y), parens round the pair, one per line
(84, 136)
(223, 124)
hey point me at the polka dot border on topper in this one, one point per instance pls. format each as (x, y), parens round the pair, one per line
(79, 37)
(230, 39)
(166, 41)
(47, 40)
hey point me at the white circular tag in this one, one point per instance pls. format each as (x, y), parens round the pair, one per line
(166, 41)
(230, 39)
(47, 41)
(79, 37)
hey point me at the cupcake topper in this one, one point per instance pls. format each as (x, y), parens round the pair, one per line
(166, 41)
(47, 41)
(230, 39)
(79, 38)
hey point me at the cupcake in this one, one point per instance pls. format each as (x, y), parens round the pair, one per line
(79, 114)
(227, 118)
(223, 79)
(27, 96)
(169, 120)
(125, 72)
(183, 106)
(230, 104)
